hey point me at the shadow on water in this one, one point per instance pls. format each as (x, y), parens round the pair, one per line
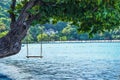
(4, 77)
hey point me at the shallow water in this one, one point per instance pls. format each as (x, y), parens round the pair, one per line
(66, 61)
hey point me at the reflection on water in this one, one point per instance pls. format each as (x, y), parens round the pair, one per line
(83, 61)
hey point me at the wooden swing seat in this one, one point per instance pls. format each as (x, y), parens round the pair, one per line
(34, 56)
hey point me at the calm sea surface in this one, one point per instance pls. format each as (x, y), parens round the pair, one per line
(65, 61)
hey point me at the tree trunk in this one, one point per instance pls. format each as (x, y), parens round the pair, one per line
(11, 43)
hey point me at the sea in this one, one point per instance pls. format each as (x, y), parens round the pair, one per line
(64, 61)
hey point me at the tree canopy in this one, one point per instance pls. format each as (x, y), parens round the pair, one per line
(90, 15)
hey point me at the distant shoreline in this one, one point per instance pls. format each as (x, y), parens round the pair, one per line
(80, 41)
(85, 41)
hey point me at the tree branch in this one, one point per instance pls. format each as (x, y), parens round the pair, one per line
(32, 17)
(23, 14)
(12, 15)
(41, 2)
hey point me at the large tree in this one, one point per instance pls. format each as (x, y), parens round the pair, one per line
(91, 16)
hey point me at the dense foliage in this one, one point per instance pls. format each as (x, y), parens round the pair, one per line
(4, 15)
(91, 16)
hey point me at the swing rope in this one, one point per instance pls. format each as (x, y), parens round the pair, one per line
(27, 46)
(39, 43)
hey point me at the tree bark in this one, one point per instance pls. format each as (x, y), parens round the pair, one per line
(11, 43)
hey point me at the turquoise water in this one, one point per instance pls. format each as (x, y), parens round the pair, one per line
(66, 61)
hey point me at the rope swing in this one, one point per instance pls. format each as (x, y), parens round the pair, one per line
(27, 46)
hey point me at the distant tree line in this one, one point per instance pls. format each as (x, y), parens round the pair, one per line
(65, 32)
